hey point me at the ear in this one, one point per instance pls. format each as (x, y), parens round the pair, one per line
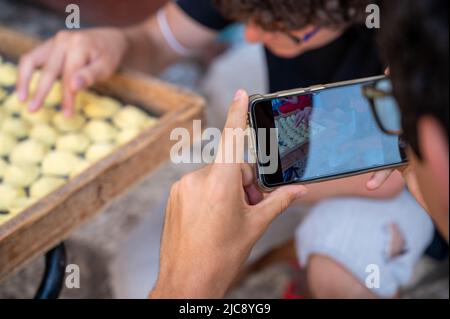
(433, 144)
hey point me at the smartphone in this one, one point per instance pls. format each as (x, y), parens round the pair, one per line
(319, 133)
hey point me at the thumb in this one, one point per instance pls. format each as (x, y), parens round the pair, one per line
(378, 179)
(278, 201)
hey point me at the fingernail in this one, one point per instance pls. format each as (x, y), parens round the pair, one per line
(239, 94)
(371, 184)
(78, 83)
(67, 113)
(22, 96)
(33, 106)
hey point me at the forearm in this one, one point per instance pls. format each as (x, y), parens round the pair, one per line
(354, 186)
(185, 278)
(147, 50)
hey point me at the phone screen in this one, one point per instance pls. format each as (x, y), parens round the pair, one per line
(326, 134)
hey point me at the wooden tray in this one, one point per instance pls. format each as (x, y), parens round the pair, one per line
(51, 220)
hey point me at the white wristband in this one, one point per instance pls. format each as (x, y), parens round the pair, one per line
(163, 24)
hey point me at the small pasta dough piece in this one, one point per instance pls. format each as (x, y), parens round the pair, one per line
(9, 195)
(43, 115)
(130, 116)
(99, 151)
(15, 127)
(101, 108)
(53, 97)
(68, 124)
(20, 175)
(45, 134)
(100, 131)
(3, 166)
(80, 168)
(126, 135)
(20, 205)
(7, 143)
(12, 104)
(83, 98)
(34, 82)
(45, 185)
(3, 94)
(73, 142)
(8, 74)
(151, 121)
(59, 163)
(28, 152)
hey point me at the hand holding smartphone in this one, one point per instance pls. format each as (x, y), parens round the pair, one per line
(321, 133)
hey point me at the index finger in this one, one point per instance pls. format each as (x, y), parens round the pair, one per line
(237, 115)
(27, 65)
(231, 147)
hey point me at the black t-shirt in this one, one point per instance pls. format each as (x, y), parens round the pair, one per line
(353, 55)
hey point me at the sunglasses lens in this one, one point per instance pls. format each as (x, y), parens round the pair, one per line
(387, 109)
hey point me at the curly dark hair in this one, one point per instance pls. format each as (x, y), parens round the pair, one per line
(414, 40)
(295, 14)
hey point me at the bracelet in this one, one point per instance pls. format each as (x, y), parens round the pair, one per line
(163, 24)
